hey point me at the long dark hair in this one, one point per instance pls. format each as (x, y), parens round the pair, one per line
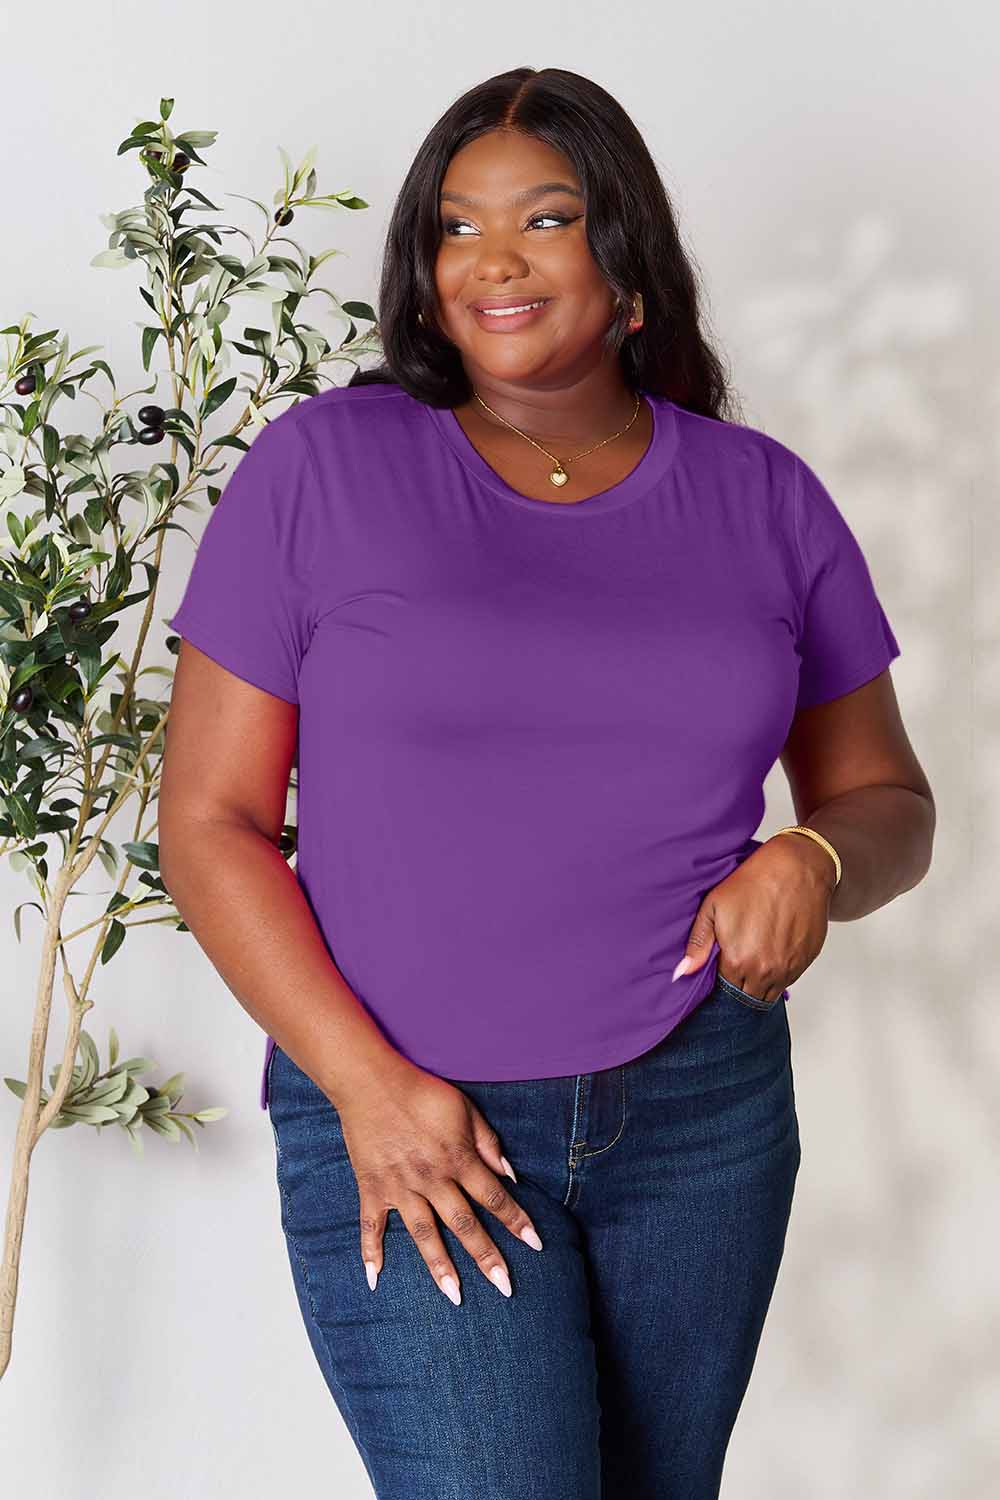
(631, 229)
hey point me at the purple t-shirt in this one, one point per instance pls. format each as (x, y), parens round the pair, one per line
(532, 734)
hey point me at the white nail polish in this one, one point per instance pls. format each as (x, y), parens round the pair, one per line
(499, 1276)
(530, 1237)
(507, 1168)
(371, 1273)
(449, 1286)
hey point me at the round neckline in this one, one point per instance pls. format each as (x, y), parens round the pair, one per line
(651, 467)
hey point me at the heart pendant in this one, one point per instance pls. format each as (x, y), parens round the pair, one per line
(559, 476)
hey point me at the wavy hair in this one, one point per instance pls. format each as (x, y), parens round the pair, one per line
(631, 230)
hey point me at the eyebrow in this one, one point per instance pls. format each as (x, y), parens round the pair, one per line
(540, 190)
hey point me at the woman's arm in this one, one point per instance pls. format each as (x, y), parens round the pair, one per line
(416, 1142)
(855, 778)
(221, 810)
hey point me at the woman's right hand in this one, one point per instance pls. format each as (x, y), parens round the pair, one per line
(418, 1144)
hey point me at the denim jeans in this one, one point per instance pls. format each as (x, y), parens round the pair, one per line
(661, 1190)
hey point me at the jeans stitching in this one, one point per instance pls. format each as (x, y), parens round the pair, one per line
(294, 1246)
(579, 1093)
(753, 1002)
(598, 1149)
(579, 1100)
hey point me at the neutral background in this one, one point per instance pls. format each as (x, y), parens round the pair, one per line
(832, 171)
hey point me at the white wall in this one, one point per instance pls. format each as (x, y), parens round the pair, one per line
(832, 173)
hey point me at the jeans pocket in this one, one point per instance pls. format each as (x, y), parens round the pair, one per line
(753, 1002)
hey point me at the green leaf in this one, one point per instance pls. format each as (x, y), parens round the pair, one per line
(92, 1114)
(24, 819)
(149, 337)
(126, 741)
(113, 258)
(205, 202)
(173, 1088)
(265, 292)
(89, 658)
(166, 108)
(146, 855)
(216, 1112)
(359, 310)
(91, 1060)
(217, 396)
(113, 941)
(10, 603)
(172, 475)
(50, 445)
(37, 749)
(138, 1065)
(109, 1090)
(17, 915)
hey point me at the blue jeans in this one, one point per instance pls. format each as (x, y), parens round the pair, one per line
(661, 1190)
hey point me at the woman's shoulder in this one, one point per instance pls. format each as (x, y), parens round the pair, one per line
(731, 446)
(376, 411)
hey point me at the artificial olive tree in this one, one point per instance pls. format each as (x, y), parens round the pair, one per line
(82, 541)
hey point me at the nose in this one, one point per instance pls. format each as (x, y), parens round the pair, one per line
(498, 262)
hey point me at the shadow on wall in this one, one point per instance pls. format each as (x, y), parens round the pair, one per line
(880, 378)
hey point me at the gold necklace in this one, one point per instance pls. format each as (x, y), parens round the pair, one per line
(558, 475)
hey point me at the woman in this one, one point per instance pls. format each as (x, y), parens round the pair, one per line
(539, 618)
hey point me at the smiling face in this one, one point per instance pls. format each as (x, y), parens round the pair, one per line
(509, 234)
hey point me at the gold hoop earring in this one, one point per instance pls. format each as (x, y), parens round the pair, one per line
(636, 321)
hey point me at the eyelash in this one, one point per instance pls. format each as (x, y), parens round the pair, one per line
(449, 224)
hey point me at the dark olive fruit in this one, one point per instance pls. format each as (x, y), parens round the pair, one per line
(147, 435)
(151, 416)
(25, 385)
(152, 1092)
(80, 610)
(22, 699)
(181, 162)
(284, 216)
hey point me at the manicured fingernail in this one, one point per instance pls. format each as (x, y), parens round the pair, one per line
(449, 1286)
(530, 1237)
(682, 968)
(371, 1272)
(507, 1167)
(499, 1275)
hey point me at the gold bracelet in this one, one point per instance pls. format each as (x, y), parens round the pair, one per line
(812, 834)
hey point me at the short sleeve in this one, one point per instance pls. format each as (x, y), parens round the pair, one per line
(246, 602)
(845, 638)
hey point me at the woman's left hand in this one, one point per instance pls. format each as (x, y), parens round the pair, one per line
(769, 917)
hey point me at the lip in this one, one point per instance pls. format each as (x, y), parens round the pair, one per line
(510, 321)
